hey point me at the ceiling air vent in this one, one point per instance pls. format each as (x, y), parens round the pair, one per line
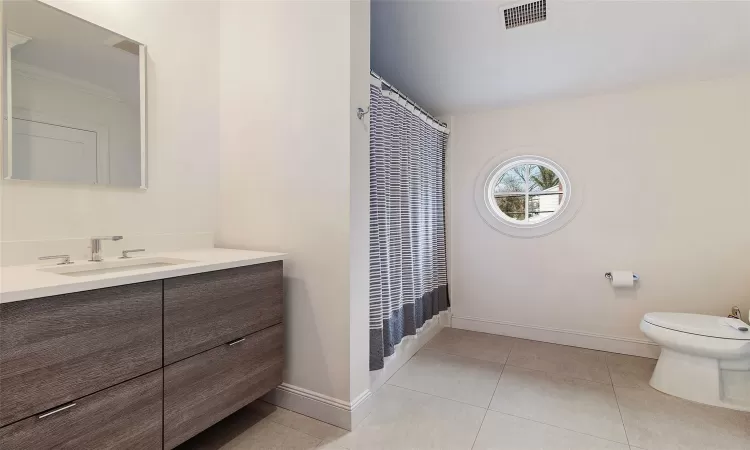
(525, 14)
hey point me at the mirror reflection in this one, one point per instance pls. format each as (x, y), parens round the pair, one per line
(76, 97)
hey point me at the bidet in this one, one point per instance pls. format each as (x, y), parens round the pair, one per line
(702, 359)
(737, 324)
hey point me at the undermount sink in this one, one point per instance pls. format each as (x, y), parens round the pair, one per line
(105, 267)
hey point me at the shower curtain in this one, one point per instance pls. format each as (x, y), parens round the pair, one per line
(408, 273)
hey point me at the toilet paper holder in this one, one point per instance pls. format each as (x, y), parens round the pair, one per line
(608, 276)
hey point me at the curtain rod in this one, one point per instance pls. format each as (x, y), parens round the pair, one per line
(411, 102)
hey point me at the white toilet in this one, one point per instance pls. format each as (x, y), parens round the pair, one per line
(702, 359)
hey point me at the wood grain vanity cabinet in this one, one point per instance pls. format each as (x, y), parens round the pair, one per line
(209, 309)
(145, 365)
(56, 349)
(124, 416)
(220, 381)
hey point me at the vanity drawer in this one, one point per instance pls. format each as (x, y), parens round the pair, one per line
(56, 349)
(125, 416)
(201, 390)
(205, 310)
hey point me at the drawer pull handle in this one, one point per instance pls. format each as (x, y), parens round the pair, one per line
(55, 411)
(237, 341)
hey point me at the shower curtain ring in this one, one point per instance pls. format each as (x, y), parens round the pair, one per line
(361, 112)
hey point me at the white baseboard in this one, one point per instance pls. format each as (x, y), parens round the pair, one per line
(445, 318)
(361, 408)
(614, 344)
(407, 348)
(348, 415)
(327, 409)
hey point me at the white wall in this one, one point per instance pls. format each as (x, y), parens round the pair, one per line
(289, 150)
(270, 113)
(662, 166)
(359, 203)
(183, 129)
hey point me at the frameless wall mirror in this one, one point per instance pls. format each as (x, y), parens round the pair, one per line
(75, 103)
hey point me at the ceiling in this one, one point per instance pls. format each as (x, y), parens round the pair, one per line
(456, 56)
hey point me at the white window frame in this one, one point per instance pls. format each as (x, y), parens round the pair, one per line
(528, 161)
(573, 192)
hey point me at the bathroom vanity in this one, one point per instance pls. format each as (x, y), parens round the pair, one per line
(131, 352)
(140, 358)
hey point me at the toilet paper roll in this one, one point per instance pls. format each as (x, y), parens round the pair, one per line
(622, 278)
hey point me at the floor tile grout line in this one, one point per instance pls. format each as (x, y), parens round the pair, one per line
(559, 374)
(505, 364)
(609, 372)
(502, 371)
(302, 415)
(518, 339)
(512, 347)
(300, 431)
(557, 426)
(548, 424)
(439, 350)
(484, 417)
(320, 441)
(496, 386)
(479, 430)
(492, 397)
(444, 398)
(507, 358)
(622, 419)
(410, 358)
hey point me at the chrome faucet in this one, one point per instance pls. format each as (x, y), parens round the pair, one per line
(126, 253)
(65, 259)
(96, 246)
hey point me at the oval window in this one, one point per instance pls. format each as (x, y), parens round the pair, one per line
(527, 192)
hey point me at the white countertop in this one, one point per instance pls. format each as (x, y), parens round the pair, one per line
(28, 282)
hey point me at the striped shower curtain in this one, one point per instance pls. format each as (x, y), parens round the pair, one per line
(408, 274)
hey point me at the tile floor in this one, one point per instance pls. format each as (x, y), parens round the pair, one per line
(467, 390)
